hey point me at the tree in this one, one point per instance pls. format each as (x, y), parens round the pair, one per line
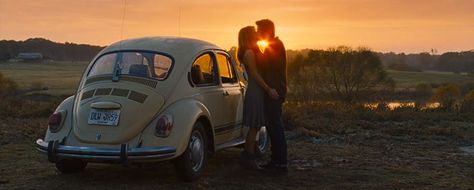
(57, 51)
(456, 62)
(348, 72)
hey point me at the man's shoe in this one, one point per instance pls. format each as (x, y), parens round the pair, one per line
(267, 165)
(274, 170)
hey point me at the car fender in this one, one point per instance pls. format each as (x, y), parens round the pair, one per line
(185, 113)
(66, 106)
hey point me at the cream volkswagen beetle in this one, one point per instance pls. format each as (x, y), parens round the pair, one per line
(151, 99)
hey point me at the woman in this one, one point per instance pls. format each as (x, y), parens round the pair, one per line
(254, 115)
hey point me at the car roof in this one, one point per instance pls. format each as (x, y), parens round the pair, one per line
(182, 50)
(174, 46)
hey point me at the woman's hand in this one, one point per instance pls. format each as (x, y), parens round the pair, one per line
(273, 93)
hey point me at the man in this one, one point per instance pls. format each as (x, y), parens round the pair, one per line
(272, 67)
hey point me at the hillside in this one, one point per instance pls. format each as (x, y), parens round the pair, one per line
(50, 50)
(450, 61)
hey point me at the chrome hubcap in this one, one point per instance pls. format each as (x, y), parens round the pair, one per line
(196, 150)
(262, 139)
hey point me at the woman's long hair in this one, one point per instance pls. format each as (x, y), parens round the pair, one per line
(246, 42)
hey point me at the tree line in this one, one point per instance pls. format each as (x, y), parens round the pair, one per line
(10, 49)
(449, 61)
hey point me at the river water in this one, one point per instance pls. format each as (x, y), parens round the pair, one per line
(396, 105)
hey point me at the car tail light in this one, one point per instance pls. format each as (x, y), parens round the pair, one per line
(164, 126)
(55, 121)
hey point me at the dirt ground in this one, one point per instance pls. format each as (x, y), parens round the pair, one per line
(368, 159)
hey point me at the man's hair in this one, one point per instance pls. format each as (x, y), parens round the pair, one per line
(266, 26)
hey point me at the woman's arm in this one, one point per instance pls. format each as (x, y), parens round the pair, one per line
(249, 59)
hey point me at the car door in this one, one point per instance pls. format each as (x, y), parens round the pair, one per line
(205, 78)
(233, 98)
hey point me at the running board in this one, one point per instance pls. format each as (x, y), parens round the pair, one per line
(232, 143)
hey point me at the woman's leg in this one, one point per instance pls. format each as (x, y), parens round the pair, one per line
(248, 159)
(250, 141)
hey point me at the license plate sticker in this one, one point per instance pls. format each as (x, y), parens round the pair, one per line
(104, 117)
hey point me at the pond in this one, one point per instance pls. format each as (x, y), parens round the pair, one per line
(398, 104)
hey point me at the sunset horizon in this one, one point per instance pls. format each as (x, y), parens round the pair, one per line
(183, 94)
(383, 26)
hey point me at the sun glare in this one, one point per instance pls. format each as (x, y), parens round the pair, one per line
(262, 45)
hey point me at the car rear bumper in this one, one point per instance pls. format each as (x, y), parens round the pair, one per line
(56, 152)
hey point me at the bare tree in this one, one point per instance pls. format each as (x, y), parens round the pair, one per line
(343, 72)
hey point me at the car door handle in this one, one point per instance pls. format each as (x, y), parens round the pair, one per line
(242, 90)
(225, 93)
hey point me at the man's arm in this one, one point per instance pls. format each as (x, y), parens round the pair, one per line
(282, 59)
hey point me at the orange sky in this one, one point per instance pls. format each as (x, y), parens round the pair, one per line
(383, 25)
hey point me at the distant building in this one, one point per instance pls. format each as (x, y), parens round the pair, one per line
(30, 57)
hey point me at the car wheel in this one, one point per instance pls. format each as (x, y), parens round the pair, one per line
(192, 162)
(71, 166)
(263, 142)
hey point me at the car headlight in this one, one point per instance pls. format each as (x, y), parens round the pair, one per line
(164, 126)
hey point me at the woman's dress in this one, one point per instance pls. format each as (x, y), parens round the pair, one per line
(254, 110)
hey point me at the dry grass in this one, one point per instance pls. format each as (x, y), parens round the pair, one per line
(357, 152)
(61, 78)
(407, 79)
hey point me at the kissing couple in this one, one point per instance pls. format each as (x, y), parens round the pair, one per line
(264, 57)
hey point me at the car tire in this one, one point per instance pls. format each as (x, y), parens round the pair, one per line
(192, 162)
(71, 166)
(263, 143)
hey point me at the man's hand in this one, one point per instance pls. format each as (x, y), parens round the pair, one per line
(273, 94)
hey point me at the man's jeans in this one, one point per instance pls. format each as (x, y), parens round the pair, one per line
(273, 110)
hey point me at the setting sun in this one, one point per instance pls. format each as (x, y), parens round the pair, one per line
(262, 45)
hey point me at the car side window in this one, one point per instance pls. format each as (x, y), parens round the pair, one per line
(202, 71)
(226, 69)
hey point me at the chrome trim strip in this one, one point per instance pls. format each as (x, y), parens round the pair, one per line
(232, 143)
(227, 128)
(107, 154)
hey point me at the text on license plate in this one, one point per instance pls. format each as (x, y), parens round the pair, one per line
(104, 117)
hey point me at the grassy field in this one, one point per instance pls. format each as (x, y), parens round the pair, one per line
(405, 79)
(61, 78)
(346, 149)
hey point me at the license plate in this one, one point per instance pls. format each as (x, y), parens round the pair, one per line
(104, 117)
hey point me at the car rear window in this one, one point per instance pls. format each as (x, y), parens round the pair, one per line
(138, 64)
